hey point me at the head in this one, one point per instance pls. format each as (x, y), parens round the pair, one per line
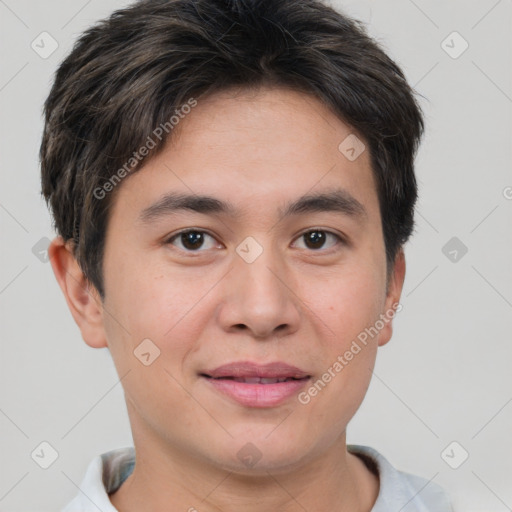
(293, 136)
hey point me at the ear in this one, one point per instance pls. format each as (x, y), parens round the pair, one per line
(82, 298)
(392, 304)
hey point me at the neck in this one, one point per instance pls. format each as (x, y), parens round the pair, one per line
(166, 479)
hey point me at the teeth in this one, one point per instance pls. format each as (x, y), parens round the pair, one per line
(260, 380)
(273, 381)
(249, 380)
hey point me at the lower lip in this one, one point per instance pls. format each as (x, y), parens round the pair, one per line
(258, 395)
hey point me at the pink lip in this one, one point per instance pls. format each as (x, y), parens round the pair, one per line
(257, 394)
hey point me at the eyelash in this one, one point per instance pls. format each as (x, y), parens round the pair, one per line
(340, 240)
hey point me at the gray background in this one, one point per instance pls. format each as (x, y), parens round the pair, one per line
(444, 377)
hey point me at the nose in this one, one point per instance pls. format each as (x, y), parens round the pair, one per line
(259, 297)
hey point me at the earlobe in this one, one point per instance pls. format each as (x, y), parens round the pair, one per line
(394, 292)
(81, 296)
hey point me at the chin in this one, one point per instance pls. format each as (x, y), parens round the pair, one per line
(256, 463)
(256, 451)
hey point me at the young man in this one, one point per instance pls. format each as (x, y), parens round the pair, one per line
(232, 184)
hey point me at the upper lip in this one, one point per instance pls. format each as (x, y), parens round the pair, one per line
(242, 369)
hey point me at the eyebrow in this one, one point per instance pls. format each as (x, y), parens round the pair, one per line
(338, 200)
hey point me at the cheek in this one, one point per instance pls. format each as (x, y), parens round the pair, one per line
(147, 301)
(347, 306)
(346, 302)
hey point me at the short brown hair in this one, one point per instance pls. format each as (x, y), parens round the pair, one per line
(129, 73)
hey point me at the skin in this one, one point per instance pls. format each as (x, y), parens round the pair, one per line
(301, 305)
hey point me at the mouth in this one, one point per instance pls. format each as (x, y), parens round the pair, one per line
(253, 385)
(254, 380)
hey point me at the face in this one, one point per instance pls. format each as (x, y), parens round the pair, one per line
(254, 302)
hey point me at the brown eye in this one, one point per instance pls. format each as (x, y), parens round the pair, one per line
(192, 240)
(316, 239)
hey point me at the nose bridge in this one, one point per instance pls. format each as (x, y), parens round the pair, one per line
(258, 296)
(261, 277)
(258, 275)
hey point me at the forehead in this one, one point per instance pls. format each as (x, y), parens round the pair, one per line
(274, 119)
(267, 143)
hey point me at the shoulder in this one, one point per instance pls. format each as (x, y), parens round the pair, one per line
(399, 490)
(105, 473)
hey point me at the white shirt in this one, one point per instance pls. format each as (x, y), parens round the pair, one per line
(398, 491)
